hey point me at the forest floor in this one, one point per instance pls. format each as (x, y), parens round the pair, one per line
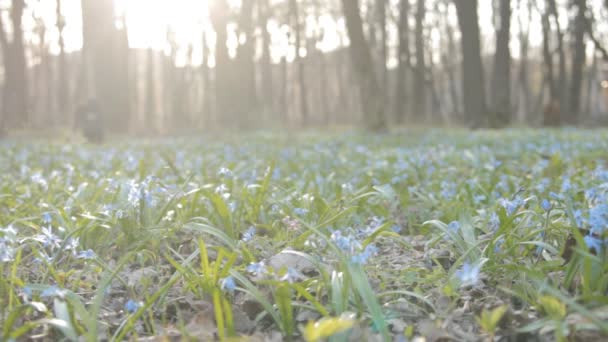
(442, 235)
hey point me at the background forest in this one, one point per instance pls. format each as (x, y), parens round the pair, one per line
(160, 67)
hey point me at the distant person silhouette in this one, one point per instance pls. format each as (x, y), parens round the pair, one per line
(89, 121)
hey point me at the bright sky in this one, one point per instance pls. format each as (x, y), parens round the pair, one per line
(149, 20)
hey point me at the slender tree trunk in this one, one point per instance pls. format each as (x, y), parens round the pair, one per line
(403, 61)
(223, 93)
(150, 104)
(449, 57)
(524, 43)
(45, 98)
(106, 54)
(15, 104)
(283, 105)
(501, 81)
(247, 107)
(266, 66)
(62, 76)
(578, 61)
(381, 14)
(551, 111)
(371, 97)
(294, 10)
(207, 108)
(548, 58)
(591, 74)
(6, 86)
(472, 67)
(419, 85)
(562, 77)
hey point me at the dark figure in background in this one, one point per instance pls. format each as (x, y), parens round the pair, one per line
(90, 121)
(551, 114)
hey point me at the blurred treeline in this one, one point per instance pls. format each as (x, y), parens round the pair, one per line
(395, 62)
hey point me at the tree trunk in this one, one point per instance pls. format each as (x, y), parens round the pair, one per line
(62, 77)
(524, 82)
(561, 85)
(381, 18)
(266, 66)
(472, 68)
(207, 107)
(6, 91)
(15, 105)
(150, 104)
(223, 94)
(106, 55)
(578, 61)
(371, 98)
(284, 103)
(294, 10)
(247, 107)
(403, 61)
(419, 85)
(501, 81)
(449, 57)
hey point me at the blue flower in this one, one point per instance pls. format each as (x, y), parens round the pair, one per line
(228, 284)
(448, 190)
(361, 258)
(556, 196)
(494, 222)
(454, 226)
(511, 206)
(257, 268)
(578, 217)
(6, 251)
(292, 275)
(132, 306)
(53, 291)
(87, 255)
(498, 245)
(593, 243)
(248, 234)
(300, 211)
(566, 185)
(469, 274)
(47, 218)
(479, 198)
(598, 219)
(545, 204)
(224, 172)
(27, 291)
(346, 243)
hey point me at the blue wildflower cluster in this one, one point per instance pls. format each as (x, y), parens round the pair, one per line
(352, 246)
(597, 238)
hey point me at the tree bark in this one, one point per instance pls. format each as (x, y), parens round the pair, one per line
(524, 82)
(501, 81)
(223, 95)
(403, 62)
(15, 93)
(247, 106)
(371, 98)
(381, 18)
(419, 85)
(561, 85)
(266, 66)
(106, 57)
(62, 77)
(294, 10)
(578, 61)
(149, 116)
(472, 68)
